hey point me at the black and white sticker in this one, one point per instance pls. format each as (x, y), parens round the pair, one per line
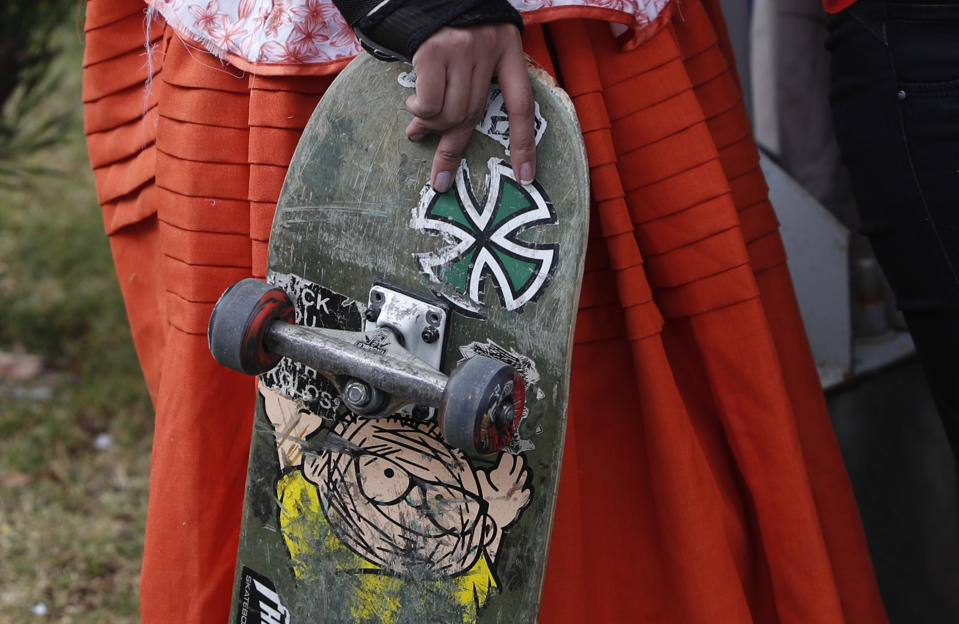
(258, 601)
(315, 306)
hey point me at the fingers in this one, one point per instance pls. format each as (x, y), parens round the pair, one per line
(464, 103)
(454, 69)
(446, 93)
(430, 93)
(449, 152)
(518, 94)
(443, 82)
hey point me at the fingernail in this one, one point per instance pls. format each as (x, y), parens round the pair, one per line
(442, 183)
(416, 137)
(526, 173)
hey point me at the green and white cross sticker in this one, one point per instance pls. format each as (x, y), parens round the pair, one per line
(483, 238)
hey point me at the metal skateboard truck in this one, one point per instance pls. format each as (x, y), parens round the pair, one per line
(393, 363)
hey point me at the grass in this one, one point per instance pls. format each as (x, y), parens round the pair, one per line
(74, 440)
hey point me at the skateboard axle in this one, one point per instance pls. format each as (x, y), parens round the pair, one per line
(389, 368)
(336, 354)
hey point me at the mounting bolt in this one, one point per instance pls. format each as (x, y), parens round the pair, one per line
(357, 394)
(430, 334)
(372, 314)
(504, 413)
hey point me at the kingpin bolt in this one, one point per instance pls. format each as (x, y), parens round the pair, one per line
(357, 394)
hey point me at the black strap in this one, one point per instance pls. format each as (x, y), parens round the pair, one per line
(355, 10)
(396, 28)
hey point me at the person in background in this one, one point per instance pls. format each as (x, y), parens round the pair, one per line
(895, 101)
(701, 481)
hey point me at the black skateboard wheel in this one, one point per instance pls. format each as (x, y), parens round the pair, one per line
(239, 324)
(482, 406)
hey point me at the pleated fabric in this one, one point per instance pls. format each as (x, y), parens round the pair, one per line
(701, 482)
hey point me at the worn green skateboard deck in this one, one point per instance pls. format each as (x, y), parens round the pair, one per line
(354, 519)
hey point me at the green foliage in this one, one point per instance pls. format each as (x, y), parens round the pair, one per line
(26, 49)
(72, 511)
(31, 35)
(56, 275)
(26, 46)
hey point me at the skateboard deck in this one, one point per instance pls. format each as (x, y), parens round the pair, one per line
(351, 518)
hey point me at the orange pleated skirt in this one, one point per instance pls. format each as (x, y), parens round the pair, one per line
(702, 482)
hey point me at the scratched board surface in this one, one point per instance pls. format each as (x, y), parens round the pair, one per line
(349, 519)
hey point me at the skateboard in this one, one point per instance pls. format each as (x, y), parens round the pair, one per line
(413, 352)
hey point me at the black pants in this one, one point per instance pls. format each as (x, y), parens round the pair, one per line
(895, 99)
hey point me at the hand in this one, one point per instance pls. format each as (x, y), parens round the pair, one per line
(504, 488)
(454, 69)
(291, 424)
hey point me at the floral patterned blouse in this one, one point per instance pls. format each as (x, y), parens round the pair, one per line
(310, 36)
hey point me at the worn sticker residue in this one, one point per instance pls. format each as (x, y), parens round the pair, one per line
(522, 364)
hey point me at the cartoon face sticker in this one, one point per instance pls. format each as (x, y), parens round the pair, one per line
(403, 503)
(403, 500)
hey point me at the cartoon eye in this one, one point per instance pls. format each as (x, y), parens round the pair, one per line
(381, 480)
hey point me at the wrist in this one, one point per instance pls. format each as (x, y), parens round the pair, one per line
(395, 29)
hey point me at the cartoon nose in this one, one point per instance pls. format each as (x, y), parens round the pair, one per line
(416, 497)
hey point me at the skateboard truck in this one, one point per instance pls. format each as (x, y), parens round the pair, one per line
(392, 363)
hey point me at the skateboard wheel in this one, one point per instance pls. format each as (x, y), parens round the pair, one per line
(482, 406)
(239, 324)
